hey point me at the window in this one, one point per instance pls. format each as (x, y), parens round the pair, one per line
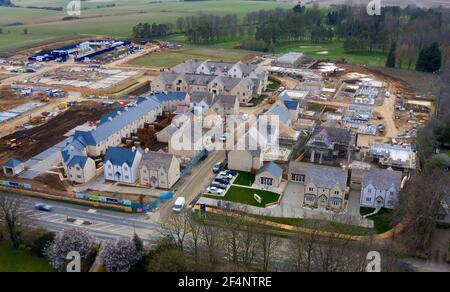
(79, 176)
(368, 199)
(127, 177)
(336, 193)
(298, 177)
(78, 168)
(311, 189)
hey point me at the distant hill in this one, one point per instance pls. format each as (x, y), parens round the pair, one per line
(402, 3)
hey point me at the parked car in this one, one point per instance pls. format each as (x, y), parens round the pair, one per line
(43, 207)
(226, 174)
(226, 178)
(232, 172)
(219, 185)
(179, 204)
(222, 181)
(214, 190)
(245, 117)
(217, 167)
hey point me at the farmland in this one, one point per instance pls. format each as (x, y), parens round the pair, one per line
(174, 57)
(98, 19)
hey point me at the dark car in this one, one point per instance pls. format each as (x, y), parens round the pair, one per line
(219, 185)
(222, 181)
(217, 167)
(43, 207)
(232, 172)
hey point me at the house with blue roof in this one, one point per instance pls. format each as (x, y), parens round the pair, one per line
(80, 169)
(121, 123)
(13, 167)
(171, 100)
(122, 164)
(270, 175)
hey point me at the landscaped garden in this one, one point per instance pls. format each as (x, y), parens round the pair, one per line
(382, 221)
(245, 179)
(246, 196)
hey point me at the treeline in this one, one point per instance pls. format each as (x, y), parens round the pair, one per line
(149, 31)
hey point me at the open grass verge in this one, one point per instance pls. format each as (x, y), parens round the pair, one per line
(246, 196)
(21, 260)
(382, 221)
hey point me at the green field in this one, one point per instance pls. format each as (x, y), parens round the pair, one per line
(45, 25)
(382, 221)
(245, 196)
(16, 260)
(245, 179)
(170, 58)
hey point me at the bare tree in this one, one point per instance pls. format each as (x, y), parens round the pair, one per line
(13, 217)
(178, 228)
(211, 237)
(195, 232)
(268, 247)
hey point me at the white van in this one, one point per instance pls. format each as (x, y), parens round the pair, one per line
(179, 205)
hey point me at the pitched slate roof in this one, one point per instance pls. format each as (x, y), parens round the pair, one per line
(197, 97)
(119, 155)
(225, 101)
(331, 135)
(272, 168)
(188, 66)
(198, 79)
(168, 77)
(322, 176)
(78, 160)
(170, 96)
(12, 163)
(382, 179)
(290, 104)
(118, 122)
(157, 160)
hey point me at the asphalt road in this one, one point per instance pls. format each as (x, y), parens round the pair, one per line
(103, 224)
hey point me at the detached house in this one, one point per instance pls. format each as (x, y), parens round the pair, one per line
(225, 105)
(201, 102)
(80, 169)
(380, 188)
(159, 170)
(245, 160)
(270, 175)
(122, 164)
(324, 186)
(328, 144)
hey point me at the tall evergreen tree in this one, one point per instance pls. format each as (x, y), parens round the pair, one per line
(430, 59)
(391, 59)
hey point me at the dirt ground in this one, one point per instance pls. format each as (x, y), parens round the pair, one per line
(42, 137)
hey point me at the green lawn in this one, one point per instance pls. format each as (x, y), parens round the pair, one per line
(382, 221)
(13, 260)
(273, 85)
(332, 51)
(315, 107)
(245, 196)
(245, 179)
(170, 58)
(448, 153)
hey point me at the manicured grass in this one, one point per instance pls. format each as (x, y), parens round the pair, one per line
(273, 85)
(332, 51)
(245, 179)
(170, 58)
(18, 260)
(245, 196)
(382, 221)
(448, 153)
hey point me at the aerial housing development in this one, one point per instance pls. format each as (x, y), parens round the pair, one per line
(152, 148)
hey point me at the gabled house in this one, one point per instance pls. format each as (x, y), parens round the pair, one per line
(165, 134)
(245, 160)
(225, 105)
(80, 169)
(270, 175)
(328, 144)
(168, 81)
(122, 164)
(380, 188)
(159, 170)
(201, 102)
(324, 187)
